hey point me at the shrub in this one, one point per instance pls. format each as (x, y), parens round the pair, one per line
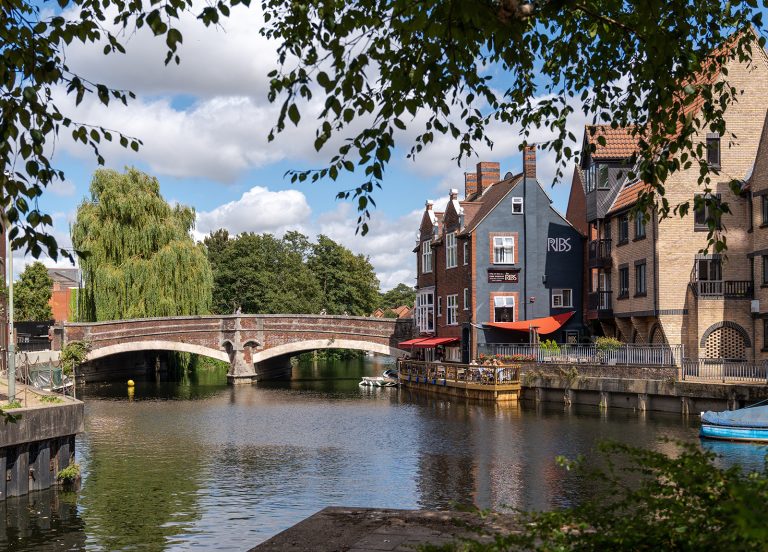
(647, 500)
(70, 474)
(73, 355)
(13, 405)
(550, 345)
(607, 344)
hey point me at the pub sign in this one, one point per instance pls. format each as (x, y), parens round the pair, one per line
(497, 276)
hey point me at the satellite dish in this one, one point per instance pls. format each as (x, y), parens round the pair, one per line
(508, 175)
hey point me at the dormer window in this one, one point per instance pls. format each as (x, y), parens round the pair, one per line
(597, 176)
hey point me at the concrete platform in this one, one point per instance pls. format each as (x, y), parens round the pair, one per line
(371, 529)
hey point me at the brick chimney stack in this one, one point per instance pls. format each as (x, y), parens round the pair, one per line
(470, 184)
(529, 162)
(488, 174)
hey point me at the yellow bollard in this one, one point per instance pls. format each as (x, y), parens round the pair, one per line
(130, 383)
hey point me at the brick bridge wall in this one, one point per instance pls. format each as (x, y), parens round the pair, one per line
(241, 340)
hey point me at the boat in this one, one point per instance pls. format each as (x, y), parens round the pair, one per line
(387, 379)
(744, 424)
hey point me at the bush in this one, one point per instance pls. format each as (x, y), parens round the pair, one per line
(13, 405)
(70, 474)
(649, 501)
(50, 399)
(607, 344)
(73, 355)
(550, 345)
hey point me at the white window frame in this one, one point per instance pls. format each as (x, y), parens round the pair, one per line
(505, 245)
(466, 252)
(517, 205)
(451, 250)
(452, 309)
(503, 301)
(558, 299)
(426, 256)
(425, 316)
(466, 298)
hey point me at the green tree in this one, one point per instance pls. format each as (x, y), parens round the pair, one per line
(401, 294)
(33, 293)
(348, 282)
(632, 62)
(137, 256)
(261, 274)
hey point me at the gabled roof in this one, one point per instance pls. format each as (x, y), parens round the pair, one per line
(619, 142)
(628, 196)
(491, 197)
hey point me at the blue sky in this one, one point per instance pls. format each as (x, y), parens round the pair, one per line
(204, 126)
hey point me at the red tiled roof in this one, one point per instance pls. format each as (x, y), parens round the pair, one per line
(619, 142)
(628, 196)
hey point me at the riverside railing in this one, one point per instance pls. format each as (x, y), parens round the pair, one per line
(417, 371)
(644, 355)
(724, 370)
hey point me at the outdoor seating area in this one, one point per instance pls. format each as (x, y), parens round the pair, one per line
(437, 373)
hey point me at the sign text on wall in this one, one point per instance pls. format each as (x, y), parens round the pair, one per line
(502, 276)
(559, 245)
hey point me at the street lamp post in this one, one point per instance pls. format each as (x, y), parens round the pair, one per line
(11, 336)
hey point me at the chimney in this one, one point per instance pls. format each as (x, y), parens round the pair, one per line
(488, 174)
(428, 205)
(470, 184)
(529, 162)
(454, 194)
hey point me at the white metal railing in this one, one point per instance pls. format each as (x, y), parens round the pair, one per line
(724, 370)
(644, 355)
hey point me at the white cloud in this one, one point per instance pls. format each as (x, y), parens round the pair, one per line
(258, 210)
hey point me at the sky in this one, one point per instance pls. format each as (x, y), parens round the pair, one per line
(204, 125)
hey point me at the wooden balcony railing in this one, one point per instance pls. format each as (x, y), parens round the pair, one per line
(600, 301)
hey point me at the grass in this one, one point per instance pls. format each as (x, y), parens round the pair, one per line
(50, 399)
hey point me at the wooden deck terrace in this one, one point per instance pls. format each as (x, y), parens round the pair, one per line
(496, 383)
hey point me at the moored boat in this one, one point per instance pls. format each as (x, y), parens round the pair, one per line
(744, 424)
(387, 379)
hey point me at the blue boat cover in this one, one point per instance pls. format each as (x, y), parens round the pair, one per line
(744, 417)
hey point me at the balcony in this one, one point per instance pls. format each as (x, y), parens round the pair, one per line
(600, 254)
(723, 289)
(600, 302)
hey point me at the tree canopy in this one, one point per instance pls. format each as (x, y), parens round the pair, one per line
(401, 294)
(33, 293)
(263, 274)
(260, 274)
(391, 71)
(137, 256)
(347, 281)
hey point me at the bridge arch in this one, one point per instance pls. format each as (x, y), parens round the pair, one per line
(298, 347)
(157, 345)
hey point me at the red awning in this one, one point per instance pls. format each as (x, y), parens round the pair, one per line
(543, 326)
(411, 342)
(435, 341)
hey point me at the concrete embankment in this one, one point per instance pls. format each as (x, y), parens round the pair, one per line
(38, 445)
(657, 388)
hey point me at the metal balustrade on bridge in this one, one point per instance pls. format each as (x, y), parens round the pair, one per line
(724, 371)
(643, 355)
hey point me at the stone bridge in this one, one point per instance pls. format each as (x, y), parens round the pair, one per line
(247, 342)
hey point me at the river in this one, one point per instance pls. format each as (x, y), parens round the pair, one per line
(198, 464)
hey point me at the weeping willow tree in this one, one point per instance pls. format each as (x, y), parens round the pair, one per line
(136, 253)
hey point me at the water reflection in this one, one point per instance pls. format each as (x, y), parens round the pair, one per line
(197, 464)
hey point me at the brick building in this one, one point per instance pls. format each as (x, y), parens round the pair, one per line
(500, 266)
(647, 278)
(65, 284)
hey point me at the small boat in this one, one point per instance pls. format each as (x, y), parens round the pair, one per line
(387, 379)
(744, 424)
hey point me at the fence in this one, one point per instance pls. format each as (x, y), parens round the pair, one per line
(724, 370)
(644, 355)
(482, 375)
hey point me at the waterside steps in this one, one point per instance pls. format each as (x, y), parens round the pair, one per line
(494, 383)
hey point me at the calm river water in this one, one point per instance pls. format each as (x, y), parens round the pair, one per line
(197, 464)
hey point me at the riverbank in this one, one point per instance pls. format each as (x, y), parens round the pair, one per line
(375, 529)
